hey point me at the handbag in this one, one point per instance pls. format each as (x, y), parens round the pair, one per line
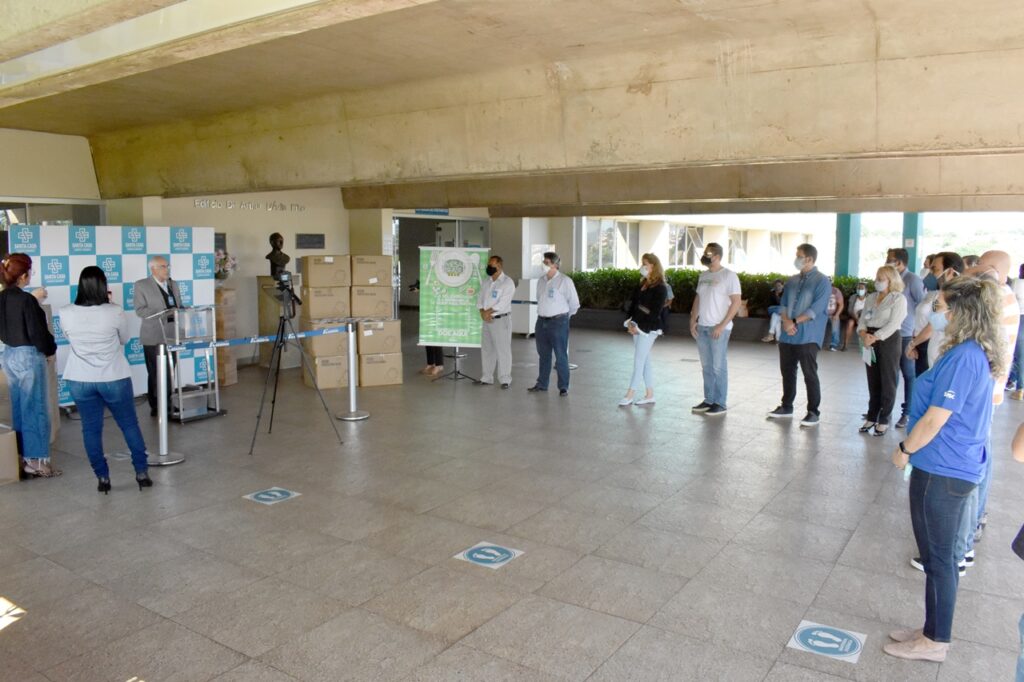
(1018, 543)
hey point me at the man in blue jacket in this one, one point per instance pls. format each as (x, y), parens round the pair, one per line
(804, 316)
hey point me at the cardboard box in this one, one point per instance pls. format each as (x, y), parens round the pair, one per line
(335, 343)
(227, 367)
(371, 271)
(379, 336)
(10, 463)
(325, 302)
(326, 271)
(372, 302)
(383, 369)
(330, 372)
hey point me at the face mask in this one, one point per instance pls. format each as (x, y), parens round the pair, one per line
(881, 284)
(861, 292)
(799, 263)
(644, 271)
(705, 260)
(938, 321)
(491, 270)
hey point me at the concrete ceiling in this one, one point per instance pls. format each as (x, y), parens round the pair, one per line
(436, 39)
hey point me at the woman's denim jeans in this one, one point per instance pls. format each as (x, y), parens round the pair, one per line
(642, 344)
(90, 398)
(937, 506)
(25, 368)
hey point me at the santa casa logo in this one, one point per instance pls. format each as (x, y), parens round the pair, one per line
(82, 241)
(55, 271)
(133, 240)
(133, 350)
(181, 240)
(26, 240)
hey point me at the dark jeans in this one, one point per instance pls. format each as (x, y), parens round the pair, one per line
(90, 398)
(937, 504)
(151, 392)
(435, 355)
(804, 355)
(908, 368)
(921, 364)
(553, 335)
(883, 378)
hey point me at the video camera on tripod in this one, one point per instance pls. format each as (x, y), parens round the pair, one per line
(286, 293)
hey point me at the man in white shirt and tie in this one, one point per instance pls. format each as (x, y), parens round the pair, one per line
(152, 295)
(556, 303)
(495, 305)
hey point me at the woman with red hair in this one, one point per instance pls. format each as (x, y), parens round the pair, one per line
(29, 343)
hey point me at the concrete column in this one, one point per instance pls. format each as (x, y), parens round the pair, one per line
(759, 251)
(913, 228)
(847, 244)
(510, 240)
(370, 232)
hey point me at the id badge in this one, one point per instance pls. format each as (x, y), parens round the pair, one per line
(551, 294)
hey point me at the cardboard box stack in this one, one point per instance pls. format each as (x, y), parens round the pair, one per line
(227, 328)
(380, 340)
(325, 298)
(372, 294)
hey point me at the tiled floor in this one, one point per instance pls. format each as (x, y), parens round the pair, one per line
(658, 545)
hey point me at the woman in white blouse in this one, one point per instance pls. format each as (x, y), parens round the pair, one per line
(879, 330)
(98, 375)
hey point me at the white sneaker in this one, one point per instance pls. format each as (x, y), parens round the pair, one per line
(625, 402)
(645, 401)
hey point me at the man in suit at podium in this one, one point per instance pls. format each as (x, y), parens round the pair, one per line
(153, 294)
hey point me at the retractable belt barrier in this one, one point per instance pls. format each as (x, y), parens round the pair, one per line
(267, 338)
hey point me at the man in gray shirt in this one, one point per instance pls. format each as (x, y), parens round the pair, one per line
(913, 290)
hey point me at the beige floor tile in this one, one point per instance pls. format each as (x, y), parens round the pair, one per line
(463, 663)
(558, 639)
(785, 577)
(106, 560)
(12, 553)
(487, 509)
(261, 616)
(874, 596)
(731, 493)
(612, 587)
(426, 538)
(647, 479)
(675, 553)
(796, 538)
(162, 652)
(784, 672)
(254, 671)
(72, 626)
(36, 582)
(353, 574)
(468, 473)
(355, 646)
(571, 530)
(609, 502)
(970, 661)
(67, 530)
(271, 551)
(443, 602)
(654, 656)
(697, 518)
(343, 517)
(414, 494)
(713, 614)
(546, 488)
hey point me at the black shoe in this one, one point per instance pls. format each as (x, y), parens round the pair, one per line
(562, 392)
(810, 420)
(536, 389)
(484, 383)
(152, 412)
(716, 411)
(103, 486)
(781, 412)
(902, 422)
(504, 386)
(144, 480)
(703, 406)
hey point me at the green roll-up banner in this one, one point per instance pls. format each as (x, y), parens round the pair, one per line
(450, 280)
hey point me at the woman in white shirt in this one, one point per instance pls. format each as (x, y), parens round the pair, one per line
(879, 330)
(98, 375)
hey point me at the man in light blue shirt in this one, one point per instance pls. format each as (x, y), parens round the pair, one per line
(913, 290)
(804, 316)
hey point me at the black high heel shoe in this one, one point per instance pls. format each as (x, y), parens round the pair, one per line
(103, 486)
(144, 481)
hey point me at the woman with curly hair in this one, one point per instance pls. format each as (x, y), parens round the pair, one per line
(946, 450)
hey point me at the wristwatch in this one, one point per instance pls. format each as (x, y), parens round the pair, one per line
(904, 450)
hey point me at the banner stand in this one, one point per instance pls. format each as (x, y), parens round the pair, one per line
(455, 374)
(164, 457)
(354, 414)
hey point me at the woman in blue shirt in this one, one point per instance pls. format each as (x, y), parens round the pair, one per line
(950, 414)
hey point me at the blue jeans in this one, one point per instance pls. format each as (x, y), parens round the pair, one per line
(642, 345)
(937, 506)
(25, 368)
(553, 335)
(1017, 367)
(715, 365)
(1020, 658)
(837, 332)
(976, 505)
(90, 398)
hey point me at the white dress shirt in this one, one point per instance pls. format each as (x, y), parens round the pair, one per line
(556, 296)
(496, 295)
(97, 335)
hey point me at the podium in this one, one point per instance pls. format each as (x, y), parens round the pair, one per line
(193, 325)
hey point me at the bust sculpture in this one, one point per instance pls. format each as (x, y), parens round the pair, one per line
(278, 258)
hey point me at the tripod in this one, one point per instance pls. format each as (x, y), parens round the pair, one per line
(455, 374)
(284, 327)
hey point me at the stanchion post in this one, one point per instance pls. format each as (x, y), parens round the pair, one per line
(164, 457)
(354, 414)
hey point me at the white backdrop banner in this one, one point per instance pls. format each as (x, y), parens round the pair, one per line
(60, 252)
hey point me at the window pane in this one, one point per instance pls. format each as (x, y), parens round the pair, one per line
(634, 241)
(592, 244)
(607, 243)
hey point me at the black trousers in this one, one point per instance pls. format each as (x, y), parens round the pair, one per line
(151, 393)
(883, 378)
(804, 356)
(921, 364)
(435, 355)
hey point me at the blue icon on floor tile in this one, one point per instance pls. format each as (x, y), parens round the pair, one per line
(489, 555)
(271, 495)
(828, 641)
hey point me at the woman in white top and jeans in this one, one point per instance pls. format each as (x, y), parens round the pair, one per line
(879, 330)
(98, 375)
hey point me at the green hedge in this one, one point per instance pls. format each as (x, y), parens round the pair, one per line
(610, 288)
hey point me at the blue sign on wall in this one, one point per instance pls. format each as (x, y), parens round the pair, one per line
(185, 289)
(202, 266)
(58, 332)
(128, 295)
(82, 240)
(63, 394)
(111, 266)
(25, 239)
(54, 271)
(133, 351)
(133, 240)
(202, 369)
(181, 240)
